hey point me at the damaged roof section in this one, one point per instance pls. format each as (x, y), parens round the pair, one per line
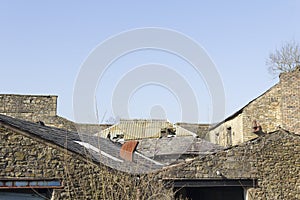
(129, 129)
(176, 149)
(118, 156)
(133, 156)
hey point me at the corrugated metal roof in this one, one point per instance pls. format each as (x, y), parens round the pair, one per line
(141, 128)
(183, 132)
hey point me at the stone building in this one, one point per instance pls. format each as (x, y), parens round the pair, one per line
(267, 167)
(277, 107)
(41, 162)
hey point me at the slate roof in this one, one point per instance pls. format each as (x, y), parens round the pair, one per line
(108, 153)
(171, 150)
(264, 140)
(56, 136)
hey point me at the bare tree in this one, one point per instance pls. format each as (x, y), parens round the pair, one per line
(284, 59)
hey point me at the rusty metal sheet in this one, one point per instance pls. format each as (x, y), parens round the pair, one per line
(127, 150)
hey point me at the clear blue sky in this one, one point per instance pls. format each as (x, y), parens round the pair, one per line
(44, 43)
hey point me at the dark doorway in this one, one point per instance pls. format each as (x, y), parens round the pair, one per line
(25, 194)
(211, 193)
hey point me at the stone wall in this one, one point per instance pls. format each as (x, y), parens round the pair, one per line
(290, 102)
(28, 107)
(34, 108)
(272, 160)
(23, 157)
(266, 110)
(27, 157)
(278, 107)
(228, 133)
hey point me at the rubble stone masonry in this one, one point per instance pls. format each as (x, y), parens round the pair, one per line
(28, 107)
(278, 107)
(26, 157)
(42, 108)
(23, 157)
(290, 102)
(272, 160)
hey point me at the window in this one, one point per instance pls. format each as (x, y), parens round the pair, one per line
(28, 189)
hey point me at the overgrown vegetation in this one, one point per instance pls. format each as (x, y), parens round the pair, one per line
(285, 58)
(100, 182)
